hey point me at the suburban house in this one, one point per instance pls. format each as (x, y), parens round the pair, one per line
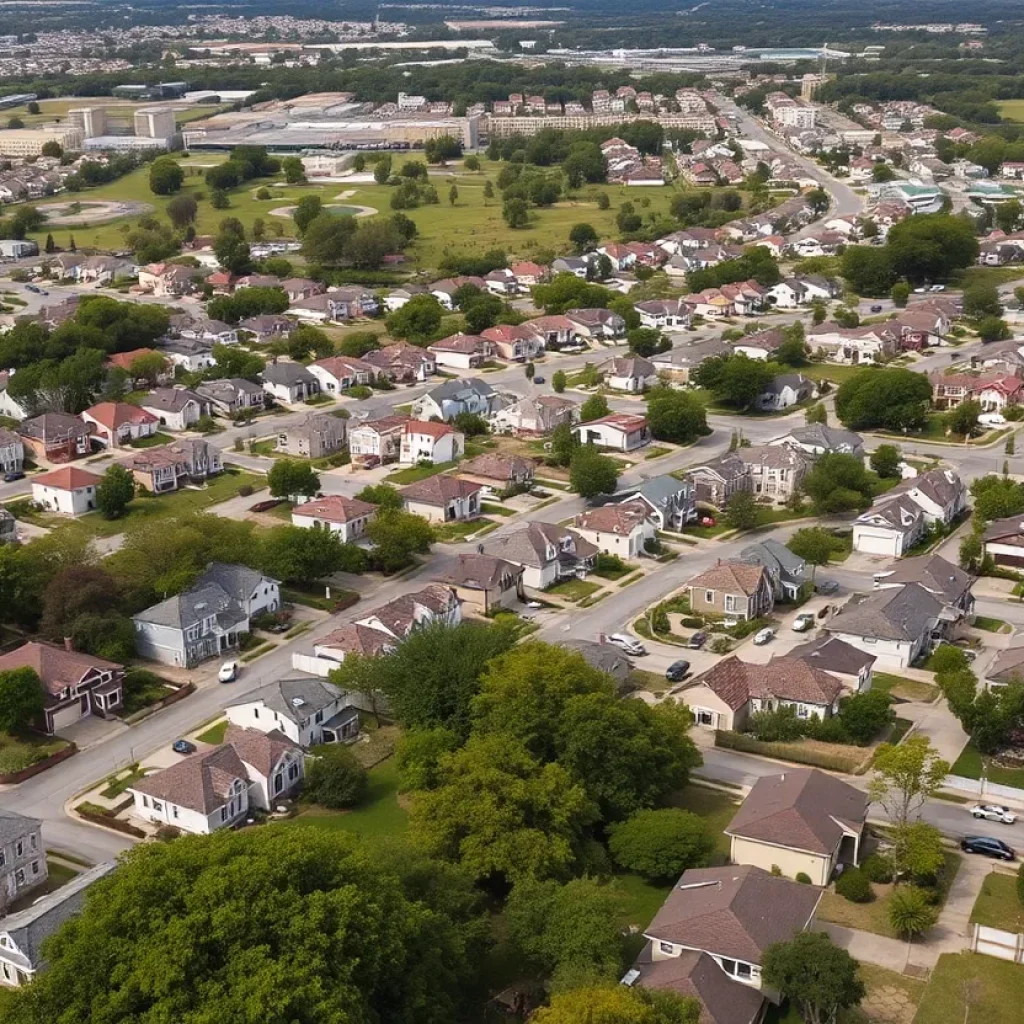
(727, 694)
(514, 342)
(722, 920)
(940, 493)
(187, 353)
(759, 345)
(12, 452)
(339, 373)
(176, 408)
(344, 516)
(402, 363)
(718, 480)
(787, 572)
(484, 583)
(895, 625)
(820, 439)
(23, 934)
(307, 711)
(892, 527)
(671, 502)
(774, 471)
(786, 390)
(115, 424)
(854, 346)
(232, 396)
(168, 467)
(74, 684)
(320, 434)
(620, 431)
(1008, 667)
(69, 490)
(664, 313)
(426, 441)
(803, 821)
(851, 666)
(552, 332)
(948, 582)
(535, 417)
(597, 324)
(499, 474)
(442, 498)
(1004, 542)
(732, 589)
(297, 288)
(218, 788)
(289, 382)
(462, 351)
(622, 530)
(547, 552)
(22, 857)
(447, 400)
(376, 442)
(629, 373)
(55, 437)
(268, 326)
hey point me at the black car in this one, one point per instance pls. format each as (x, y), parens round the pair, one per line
(677, 671)
(826, 586)
(698, 640)
(15, 474)
(876, 309)
(988, 846)
(538, 380)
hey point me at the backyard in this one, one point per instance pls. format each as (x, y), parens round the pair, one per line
(379, 814)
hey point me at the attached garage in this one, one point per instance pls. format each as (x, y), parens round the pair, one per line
(67, 716)
(873, 540)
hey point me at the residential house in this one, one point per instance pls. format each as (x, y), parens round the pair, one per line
(514, 343)
(895, 625)
(552, 332)
(711, 304)
(329, 651)
(308, 711)
(12, 452)
(571, 265)
(787, 572)
(802, 821)
(629, 373)
(126, 360)
(445, 289)
(775, 471)
(671, 502)
(718, 480)
(676, 364)
(820, 439)
(620, 257)
(940, 493)
(376, 442)
(339, 373)
(529, 274)
(1004, 542)
(168, 279)
(547, 553)
(189, 354)
(320, 434)
(442, 499)
(1008, 667)
(402, 363)
(289, 382)
(255, 593)
(484, 583)
(606, 658)
(268, 327)
(176, 408)
(499, 474)
(618, 529)
(172, 466)
(944, 580)
(22, 859)
(759, 345)
(219, 788)
(732, 589)
(501, 282)
(890, 527)
(116, 424)
(69, 490)
(726, 695)
(55, 437)
(232, 396)
(298, 288)
(433, 604)
(853, 346)
(851, 666)
(464, 394)
(597, 324)
(9, 405)
(994, 392)
(664, 313)
(623, 432)
(462, 351)
(786, 390)
(426, 441)
(22, 934)
(398, 297)
(344, 516)
(216, 332)
(535, 417)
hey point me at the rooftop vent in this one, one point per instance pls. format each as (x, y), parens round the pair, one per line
(297, 702)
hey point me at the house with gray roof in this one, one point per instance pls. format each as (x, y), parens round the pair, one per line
(308, 711)
(546, 551)
(255, 592)
(786, 390)
(850, 665)
(672, 502)
(232, 395)
(605, 658)
(464, 394)
(718, 480)
(821, 439)
(289, 382)
(891, 527)
(484, 583)
(946, 581)
(23, 934)
(22, 857)
(786, 572)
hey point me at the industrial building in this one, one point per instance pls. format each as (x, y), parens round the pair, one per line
(92, 121)
(514, 125)
(155, 123)
(30, 141)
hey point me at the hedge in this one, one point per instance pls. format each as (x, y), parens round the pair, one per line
(787, 752)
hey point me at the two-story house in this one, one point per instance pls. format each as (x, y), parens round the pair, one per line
(499, 474)
(317, 436)
(787, 572)
(732, 589)
(176, 408)
(233, 396)
(535, 417)
(447, 400)
(426, 441)
(337, 513)
(168, 467)
(116, 424)
(376, 442)
(462, 351)
(671, 502)
(547, 553)
(289, 382)
(774, 471)
(484, 583)
(718, 480)
(339, 373)
(307, 711)
(69, 490)
(632, 374)
(622, 529)
(55, 437)
(12, 452)
(22, 857)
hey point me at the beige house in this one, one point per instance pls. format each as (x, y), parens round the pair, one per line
(442, 499)
(484, 583)
(621, 530)
(801, 821)
(733, 589)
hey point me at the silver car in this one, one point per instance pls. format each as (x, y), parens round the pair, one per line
(994, 812)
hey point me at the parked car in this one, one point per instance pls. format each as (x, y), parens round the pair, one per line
(938, 287)
(677, 671)
(876, 309)
(538, 380)
(698, 640)
(764, 636)
(33, 288)
(228, 672)
(994, 812)
(826, 586)
(627, 644)
(9, 478)
(803, 622)
(987, 846)
(534, 604)
(991, 419)
(183, 747)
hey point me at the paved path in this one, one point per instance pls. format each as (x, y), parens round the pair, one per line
(892, 954)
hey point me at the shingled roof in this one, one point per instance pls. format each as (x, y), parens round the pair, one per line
(730, 577)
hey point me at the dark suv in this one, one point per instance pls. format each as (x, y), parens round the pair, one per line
(677, 671)
(988, 846)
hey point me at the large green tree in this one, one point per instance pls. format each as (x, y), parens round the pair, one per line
(289, 478)
(591, 473)
(397, 537)
(661, 844)
(676, 416)
(838, 483)
(114, 492)
(21, 699)
(298, 555)
(891, 398)
(816, 974)
(618, 1004)
(930, 248)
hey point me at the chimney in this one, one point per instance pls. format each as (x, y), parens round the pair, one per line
(67, 644)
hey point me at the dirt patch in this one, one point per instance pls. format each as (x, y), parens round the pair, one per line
(61, 214)
(353, 209)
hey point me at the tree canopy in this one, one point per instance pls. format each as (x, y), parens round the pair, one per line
(891, 398)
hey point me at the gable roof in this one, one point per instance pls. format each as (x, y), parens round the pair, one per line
(479, 572)
(620, 519)
(459, 389)
(528, 543)
(57, 667)
(731, 577)
(437, 490)
(1008, 666)
(298, 700)
(800, 809)
(239, 581)
(833, 655)
(335, 508)
(192, 606)
(356, 638)
(14, 826)
(934, 573)
(67, 478)
(902, 613)
(495, 466)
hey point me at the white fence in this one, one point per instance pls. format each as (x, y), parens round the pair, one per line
(995, 942)
(982, 787)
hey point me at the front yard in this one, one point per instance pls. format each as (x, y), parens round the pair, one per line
(573, 590)
(969, 986)
(971, 764)
(20, 750)
(998, 905)
(903, 689)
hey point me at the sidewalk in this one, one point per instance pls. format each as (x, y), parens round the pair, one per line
(892, 954)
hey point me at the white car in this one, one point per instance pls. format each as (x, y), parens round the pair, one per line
(627, 644)
(766, 635)
(993, 812)
(534, 604)
(938, 287)
(228, 672)
(991, 419)
(803, 622)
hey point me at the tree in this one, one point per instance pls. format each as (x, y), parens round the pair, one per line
(232, 252)
(50, 245)
(488, 190)
(618, 1004)
(963, 419)
(594, 408)
(900, 294)
(865, 715)
(219, 199)
(327, 238)
(676, 416)
(911, 912)
(515, 213)
(982, 300)
(453, 195)
(558, 381)
(868, 269)
(906, 776)
(972, 550)
(736, 379)
(404, 934)
(741, 511)
(838, 483)
(15, 122)
(290, 478)
(793, 351)
(882, 172)
(114, 492)
(816, 413)
(931, 247)
(21, 699)
(306, 211)
(921, 854)
(814, 544)
(382, 169)
(384, 496)
(52, 148)
(72, 592)
(591, 473)
(299, 555)
(471, 163)
(816, 974)
(647, 341)
(583, 237)
(996, 497)
(165, 176)
(294, 172)
(893, 398)
(659, 845)
(885, 461)
(182, 211)
(530, 370)
(417, 320)
(564, 444)
(991, 328)
(396, 537)
(334, 777)
(482, 311)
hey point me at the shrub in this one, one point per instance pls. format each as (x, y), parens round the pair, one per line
(721, 645)
(779, 726)
(865, 715)
(803, 878)
(877, 868)
(776, 871)
(334, 778)
(661, 844)
(947, 658)
(245, 490)
(911, 911)
(658, 620)
(854, 886)
(827, 730)
(692, 623)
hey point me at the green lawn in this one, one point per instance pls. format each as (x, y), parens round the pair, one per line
(996, 989)
(989, 625)
(715, 807)
(573, 590)
(20, 751)
(656, 453)
(904, 689)
(215, 734)
(379, 814)
(489, 508)
(152, 441)
(118, 783)
(826, 371)
(641, 899)
(142, 688)
(971, 765)
(411, 474)
(997, 905)
(616, 573)
(449, 533)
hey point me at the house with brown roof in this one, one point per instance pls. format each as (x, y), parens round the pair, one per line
(376, 442)
(852, 667)
(74, 684)
(462, 351)
(619, 431)
(725, 918)
(347, 517)
(218, 788)
(434, 604)
(170, 466)
(484, 583)
(732, 589)
(622, 529)
(429, 441)
(800, 821)
(115, 424)
(55, 437)
(442, 498)
(499, 474)
(1004, 541)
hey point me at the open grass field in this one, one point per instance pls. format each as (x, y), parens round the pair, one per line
(1011, 110)
(379, 814)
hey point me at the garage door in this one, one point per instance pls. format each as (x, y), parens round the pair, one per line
(874, 543)
(66, 716)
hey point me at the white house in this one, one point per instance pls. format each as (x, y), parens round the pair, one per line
(118, 423)
(376, 442)
(426, 441)
(338, 373)
(344, 516)
(892, 527)
(443, 499)
(622, 530)
(547, 553)
(621, 432)
(447, 400)
(307, 711)
(629, 373)
(176, 408)
(68, 490)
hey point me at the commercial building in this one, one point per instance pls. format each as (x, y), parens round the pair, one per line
(30, 141)
(92, 121)
(155, 123)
